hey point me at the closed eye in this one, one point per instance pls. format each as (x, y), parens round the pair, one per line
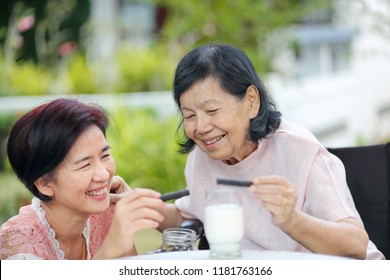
(189, 116)
(106, 152)
(106, 156)
(213, 111)
(84, 166)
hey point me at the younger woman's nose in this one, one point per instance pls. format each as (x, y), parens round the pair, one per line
(100, 173)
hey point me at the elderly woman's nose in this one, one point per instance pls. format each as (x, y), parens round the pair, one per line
(203, 124)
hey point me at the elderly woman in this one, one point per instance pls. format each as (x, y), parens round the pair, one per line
(60, 153)
(298, 200)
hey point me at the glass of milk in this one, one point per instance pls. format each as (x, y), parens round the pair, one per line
(224, 226)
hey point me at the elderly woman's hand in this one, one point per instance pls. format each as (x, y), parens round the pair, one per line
(279, 197)
(119, 189)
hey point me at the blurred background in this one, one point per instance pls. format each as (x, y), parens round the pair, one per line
(326, 63)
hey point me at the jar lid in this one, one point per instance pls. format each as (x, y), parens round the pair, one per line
(179, 235)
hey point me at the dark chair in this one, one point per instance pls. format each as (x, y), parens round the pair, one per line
(368, 177)
(197, 226)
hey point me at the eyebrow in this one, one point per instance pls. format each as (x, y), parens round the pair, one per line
(202, 105)
(105, 148)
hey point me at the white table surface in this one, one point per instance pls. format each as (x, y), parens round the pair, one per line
(246, 255)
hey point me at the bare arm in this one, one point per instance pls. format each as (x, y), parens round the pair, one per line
(343, 238)
(172, 217)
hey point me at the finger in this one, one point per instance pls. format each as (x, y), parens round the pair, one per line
(271, 184)
(119, 191)
(266, 189)
(118, 185)
(271, 179)
(279, 197)
(147, 213)
(114, 198)
(127, 219)
(141, 192)
(141, 224)
(275, 199)
(115, 182)
(133, 203)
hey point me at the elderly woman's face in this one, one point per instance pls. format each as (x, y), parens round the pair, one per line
(217, 122)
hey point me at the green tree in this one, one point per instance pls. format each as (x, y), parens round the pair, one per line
(244, 23)
(54, 22)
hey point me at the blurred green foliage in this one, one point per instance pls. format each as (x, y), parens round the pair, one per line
(145, 150)
(243, 23)
(81, 76)
(6, 121)
(55, 33)
(13, 195)
(137, 71)
(55, 22)
(146, 69)
(29, 79)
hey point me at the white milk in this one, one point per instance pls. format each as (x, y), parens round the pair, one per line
(224, 226)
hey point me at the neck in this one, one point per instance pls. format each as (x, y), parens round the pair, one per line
(65, 224)
(245, 152)
(69, 231)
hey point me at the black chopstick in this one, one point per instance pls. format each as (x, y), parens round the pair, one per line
(239, 183)
(174, 195)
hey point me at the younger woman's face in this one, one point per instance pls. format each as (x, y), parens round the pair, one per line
(83, 179)
(217, 122)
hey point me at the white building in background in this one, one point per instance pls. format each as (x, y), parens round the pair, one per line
(336, 82)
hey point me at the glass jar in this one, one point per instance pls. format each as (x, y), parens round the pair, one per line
(178, 239)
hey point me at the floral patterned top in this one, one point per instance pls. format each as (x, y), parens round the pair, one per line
(28, 235)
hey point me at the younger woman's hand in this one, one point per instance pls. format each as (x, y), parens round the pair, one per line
(119, 189)
(135, 211)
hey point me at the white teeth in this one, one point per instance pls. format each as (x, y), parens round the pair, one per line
(213, 140)
(96, 193)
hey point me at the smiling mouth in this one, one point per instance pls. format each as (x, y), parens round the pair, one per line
(212, 141)
(96, 192)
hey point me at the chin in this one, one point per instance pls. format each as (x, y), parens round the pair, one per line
(101, 207)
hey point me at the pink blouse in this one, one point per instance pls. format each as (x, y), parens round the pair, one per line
(28, 235)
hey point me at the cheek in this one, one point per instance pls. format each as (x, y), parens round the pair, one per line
(239, 127)
(244, 131)
(111, 167)
(188, 130)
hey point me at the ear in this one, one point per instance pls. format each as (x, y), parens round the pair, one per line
(44, 185)
(252, 95)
